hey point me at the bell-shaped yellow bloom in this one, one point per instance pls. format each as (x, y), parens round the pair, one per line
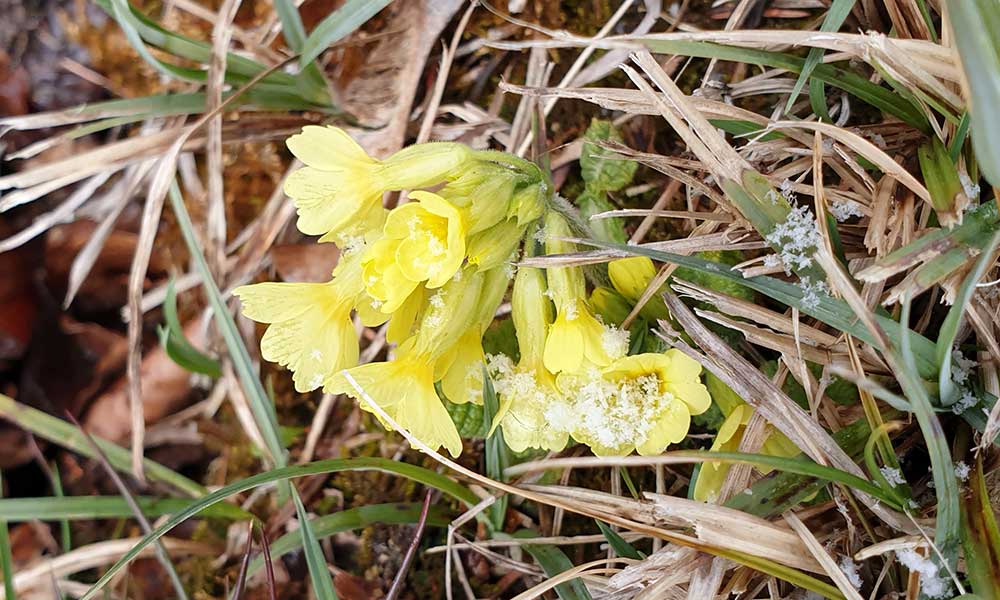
(341, 187)
(423, 242)
(404, 389)
(642, 402)
(631, 276)
(463, 365)
(576, 334)
(528, 395)
(310, 329)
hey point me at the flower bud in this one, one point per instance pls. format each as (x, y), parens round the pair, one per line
(423, 165)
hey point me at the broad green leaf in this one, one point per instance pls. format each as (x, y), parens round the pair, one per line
(177, 347)
(592, 202)
(604, 170)
(339, 24)
(941, 179)
(468, 419)
(104, 507)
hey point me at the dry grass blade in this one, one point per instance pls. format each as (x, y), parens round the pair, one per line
(821, 555)
(397, 582)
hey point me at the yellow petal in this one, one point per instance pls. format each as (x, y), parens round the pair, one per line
(670, 428)
(404, 389)
(403, 319)
(682, 367)
(313, 345)
(463, 380)
(563, 346)
(630, 276)
(327, 148)
(329, 201)
(270, 302)
(692, 393)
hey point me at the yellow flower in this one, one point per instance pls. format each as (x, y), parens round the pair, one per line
(404, 389)
(576, 333)
(310, 329)
(527, 391)
(712, 475)
(483, 193)
(341, 187)
(423, 242)
(631, 277)
(642, 402)
(612, 307)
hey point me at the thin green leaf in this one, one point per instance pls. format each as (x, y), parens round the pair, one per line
(552, 560)
(817, 99)
(64, 530)
(981, 537)
(862, 88)
(618, 543)
(958, 140)
(418, 474)
(497, 455)
(353, 519)
(60, 432)
(941, 178)
(104, 507)
(319, 573)
(949, 329)
(835, 16)
(975, 24)
(835, 313)
(260, 405)
(6, 562)
(347, 18)
(176, 345)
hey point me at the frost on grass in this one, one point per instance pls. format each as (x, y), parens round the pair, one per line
(812, 292)
(795, 239)
(893, 476)
(931, 584)
(961, 367)
(970, 188)
(843, 210)
(851, 571)
(962, 471)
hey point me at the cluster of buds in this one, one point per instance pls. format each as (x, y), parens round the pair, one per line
(434, 270)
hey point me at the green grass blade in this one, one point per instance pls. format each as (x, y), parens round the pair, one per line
(104, 507)
(833, 312)
(57, 489)
(975, 23)
(60, 432)
(260, 405)
(497, 456)
(949, 329)
(176, 345)
(958, 140)
(319, 573)
(618, 543)
(6, 562)
(347, 18)
(552, 560)
(353, 519)
(862, 88)
(980, 537)
(292, 28)
(834, 18)
(415, 473)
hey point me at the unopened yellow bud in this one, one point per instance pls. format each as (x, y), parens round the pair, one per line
(496, 245)
(631, 277)
(423, 165)
(531, 311)
(528, 204)
(610, 305)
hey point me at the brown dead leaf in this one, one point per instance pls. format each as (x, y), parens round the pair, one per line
(352, 587)
(165, 389)
(380, 93)
(304, 262)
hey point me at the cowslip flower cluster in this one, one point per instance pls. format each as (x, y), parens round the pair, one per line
(434, 271)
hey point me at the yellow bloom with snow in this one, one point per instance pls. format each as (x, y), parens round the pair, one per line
(340, 188)
(423, 242)
(527, 391)
(404, 389)
(642, 402)
(310, 330)
(576, 335)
